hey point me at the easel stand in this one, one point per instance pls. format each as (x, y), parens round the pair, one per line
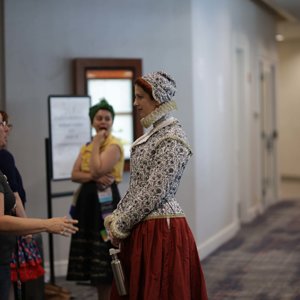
(51, 195)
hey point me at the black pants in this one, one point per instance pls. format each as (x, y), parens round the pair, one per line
(4, 281)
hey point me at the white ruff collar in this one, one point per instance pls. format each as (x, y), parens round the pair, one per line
(159, 112)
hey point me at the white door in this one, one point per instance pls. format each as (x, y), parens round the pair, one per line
(240, 137)
(268, 135)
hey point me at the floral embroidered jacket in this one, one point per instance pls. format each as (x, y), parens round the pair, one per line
(158, 160)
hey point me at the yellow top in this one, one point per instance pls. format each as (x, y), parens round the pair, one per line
(86, 152)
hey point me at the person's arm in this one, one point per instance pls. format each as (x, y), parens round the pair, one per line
(24, 226)
(103, 163)
(78, 175)
(20, 212)
(82, 177)
(106, 180)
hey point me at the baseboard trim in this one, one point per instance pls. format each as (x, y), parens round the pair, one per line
(288, 177)
(218, 239)
(253, 212)
(60, 269)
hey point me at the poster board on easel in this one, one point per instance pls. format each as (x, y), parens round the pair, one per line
(69, 129)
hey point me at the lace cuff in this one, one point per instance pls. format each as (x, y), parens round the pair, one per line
(110, 224)
(108, 220)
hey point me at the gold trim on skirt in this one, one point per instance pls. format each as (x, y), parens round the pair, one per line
(164, 217)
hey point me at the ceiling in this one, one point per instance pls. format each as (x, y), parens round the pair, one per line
(288, 14)
(292, 7)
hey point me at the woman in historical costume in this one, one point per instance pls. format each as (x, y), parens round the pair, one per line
(158, 251)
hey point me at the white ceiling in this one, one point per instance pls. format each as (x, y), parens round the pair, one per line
(288, 13)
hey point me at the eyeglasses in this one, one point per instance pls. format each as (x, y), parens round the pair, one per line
(5, 124)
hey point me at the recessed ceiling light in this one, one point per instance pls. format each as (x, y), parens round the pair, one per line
(279, 37)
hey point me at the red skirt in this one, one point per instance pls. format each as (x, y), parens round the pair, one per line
(161, 262)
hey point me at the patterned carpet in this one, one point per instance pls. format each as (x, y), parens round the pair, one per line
(262, 262)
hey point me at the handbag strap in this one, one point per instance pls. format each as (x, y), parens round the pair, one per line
(18, 284)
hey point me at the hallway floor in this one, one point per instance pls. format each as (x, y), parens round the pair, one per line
(262, 262)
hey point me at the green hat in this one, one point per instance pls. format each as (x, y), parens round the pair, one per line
(103, 104)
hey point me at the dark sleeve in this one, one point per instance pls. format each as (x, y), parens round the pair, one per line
(20, 187)
(8, 167)
(1, 187)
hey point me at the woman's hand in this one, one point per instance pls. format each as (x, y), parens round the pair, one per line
(115, 242)
(101, 136)
(106, 180)
(27, 238)
(107, 221)
(61, 225)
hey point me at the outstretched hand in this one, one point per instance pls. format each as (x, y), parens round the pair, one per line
(61, 225)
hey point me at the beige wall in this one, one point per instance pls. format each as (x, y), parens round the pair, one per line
(289, 108)
(288, 112)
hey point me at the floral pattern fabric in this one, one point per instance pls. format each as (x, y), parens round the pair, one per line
(157, 164)
(26, 261)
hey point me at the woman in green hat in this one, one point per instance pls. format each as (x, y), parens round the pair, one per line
(99, 169)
